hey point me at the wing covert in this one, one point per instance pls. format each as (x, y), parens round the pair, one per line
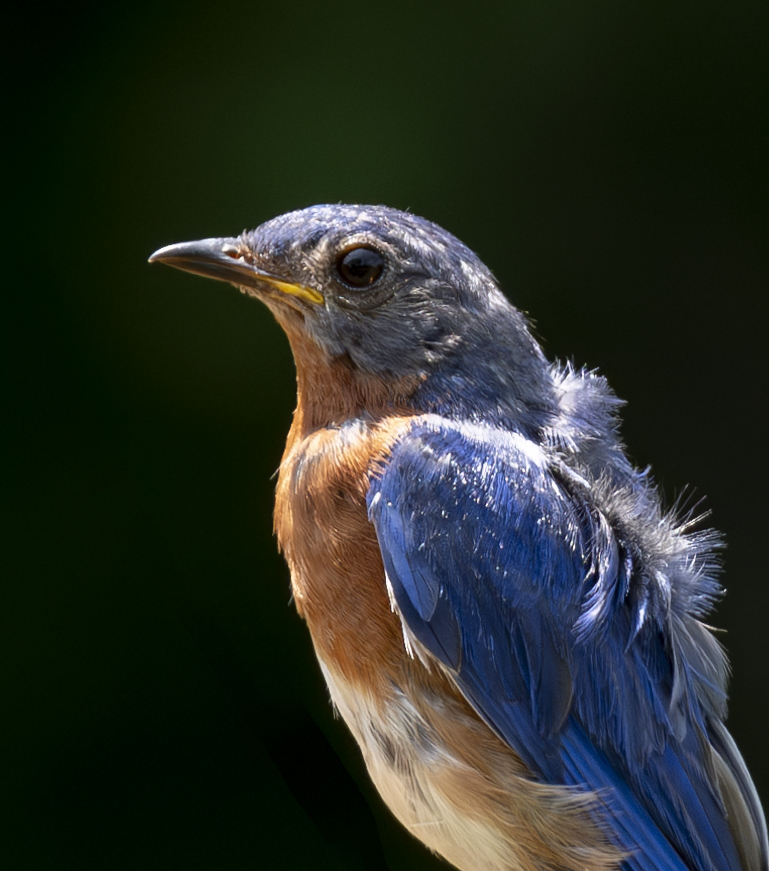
(505, 571)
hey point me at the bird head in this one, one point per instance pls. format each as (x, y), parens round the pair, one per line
(393, 296)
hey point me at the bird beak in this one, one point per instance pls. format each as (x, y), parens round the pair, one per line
(224, 260)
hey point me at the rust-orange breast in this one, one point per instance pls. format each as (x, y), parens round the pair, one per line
(323, 529)
(442, 771)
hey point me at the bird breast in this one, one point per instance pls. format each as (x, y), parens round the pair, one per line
(446, 776)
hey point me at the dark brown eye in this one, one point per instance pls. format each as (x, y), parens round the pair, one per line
(360, 267)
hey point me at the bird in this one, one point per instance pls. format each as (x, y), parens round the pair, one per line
(508, 620)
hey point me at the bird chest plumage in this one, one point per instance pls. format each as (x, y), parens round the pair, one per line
(449, 779)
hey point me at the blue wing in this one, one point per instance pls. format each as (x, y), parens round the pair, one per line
(557, 626)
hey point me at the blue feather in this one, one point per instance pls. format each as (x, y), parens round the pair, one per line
(552, 613)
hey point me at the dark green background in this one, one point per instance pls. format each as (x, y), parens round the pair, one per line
(608, 160)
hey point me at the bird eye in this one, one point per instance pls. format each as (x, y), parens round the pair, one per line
(360, 267)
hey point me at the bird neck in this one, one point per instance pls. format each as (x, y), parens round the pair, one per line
(332, 391)
(489, 385)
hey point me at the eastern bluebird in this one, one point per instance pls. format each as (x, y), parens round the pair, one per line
(508, 621)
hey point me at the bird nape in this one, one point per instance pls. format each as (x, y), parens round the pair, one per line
(507, 619)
